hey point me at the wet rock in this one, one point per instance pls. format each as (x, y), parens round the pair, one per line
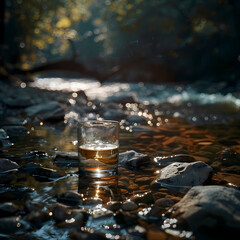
(46, 111)
(142, 198)
(76, 220)
(8, 209)
(15, 131)
(129, 205)
(3, 134)
(102, 214)
(10, 225)
(6, 178)
(7, 165)
(34, 154)
(133, 159)
(19, 101)
(174, 158)
(151, 213)
(126, 217)
(70, 198)
(228, 157)
(33, 206)
(136, 119)
(30, 167)
(37, 218)
(66, 159)
(113, 205)
(60, 212)
(92, 201)
(4, 141)
(211, 212)
(184, 174)
(45, 174)
(164, 202)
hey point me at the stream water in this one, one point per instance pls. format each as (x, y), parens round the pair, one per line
(180, 119)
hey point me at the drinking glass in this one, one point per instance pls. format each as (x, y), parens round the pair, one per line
(98, 144)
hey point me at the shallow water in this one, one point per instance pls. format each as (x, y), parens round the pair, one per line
(177, 122)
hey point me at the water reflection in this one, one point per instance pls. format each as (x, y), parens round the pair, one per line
(103, 189)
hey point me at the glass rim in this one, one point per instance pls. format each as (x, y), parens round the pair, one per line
(101, 122)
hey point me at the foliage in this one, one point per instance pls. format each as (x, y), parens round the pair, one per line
(193, 36)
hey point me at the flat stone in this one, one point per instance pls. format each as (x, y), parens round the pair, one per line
(15, 131)
(129, 206)
(69, 159)
(48, 111)
(209, 211)
(184, 174)
(6, 165)
(133, 159)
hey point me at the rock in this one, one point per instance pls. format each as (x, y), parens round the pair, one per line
(228, 157)
(184, 174)
(6, 178)
(45, 174)
(102, 214)
(136, 119)
(15, 131)
(37, 218)
(75, 220)
(92, 201)
(70, 198)
(66, 159)
(211, 212)
(113, 205)
(164, 202)
(8, 209)
(77, 235)
(129, 206)
(19, 102)
(10, 225)
(174, 158)
(142, 198)
(60, 212)
(3, 134)
(5, 143)
(34, 154)
(48, 111)
(33, 206)
(7, 165)
(133, 159)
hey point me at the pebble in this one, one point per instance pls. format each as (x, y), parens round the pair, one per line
(69, 198)
(145, 197)
(37, 218)
(164, 202)
(129, 205)
(113, 205)
(60, 212)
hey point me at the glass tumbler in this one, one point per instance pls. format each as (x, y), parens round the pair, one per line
(98, 144)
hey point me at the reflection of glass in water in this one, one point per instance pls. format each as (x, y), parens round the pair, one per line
(105, 189)
(99, 160)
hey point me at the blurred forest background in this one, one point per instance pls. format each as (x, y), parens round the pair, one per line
(154, 40)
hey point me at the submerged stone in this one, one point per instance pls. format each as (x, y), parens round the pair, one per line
(133, 159)
(69, 198)
(15, 131)
(8, 209)
(60, 212)
(184, 174)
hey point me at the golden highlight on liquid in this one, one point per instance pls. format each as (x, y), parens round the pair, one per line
(105, 154)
